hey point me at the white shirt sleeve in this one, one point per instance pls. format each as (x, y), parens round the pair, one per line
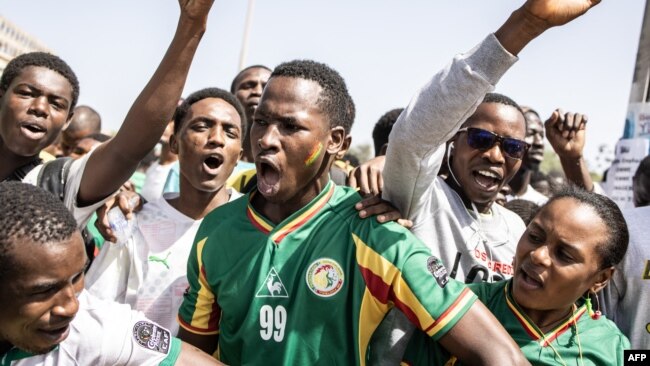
(416, 143)
(81, 214)
(116, 335)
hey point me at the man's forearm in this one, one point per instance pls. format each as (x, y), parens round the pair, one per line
(154, 107)
(115, 161)
(576, 172)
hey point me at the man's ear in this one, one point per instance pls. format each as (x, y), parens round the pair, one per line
(345, 148)
(337, 141)
(602, 279)
(173, 144)
(383, 149)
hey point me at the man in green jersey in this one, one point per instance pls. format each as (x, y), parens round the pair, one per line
(289, 274)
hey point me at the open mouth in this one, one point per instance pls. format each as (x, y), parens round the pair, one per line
(268, 179)
(56, 335)
(530, 281)
(487, 179)
(212, 163)
(33, 131)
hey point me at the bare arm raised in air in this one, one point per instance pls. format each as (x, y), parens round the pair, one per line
(114, 161)
(566, 133)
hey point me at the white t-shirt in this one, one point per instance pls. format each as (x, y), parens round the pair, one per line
(105, 333)
(154, 181)
(531, 195)
(77, 167)
(472, 247)
(149, 272)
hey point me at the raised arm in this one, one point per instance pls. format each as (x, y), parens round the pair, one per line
(114, 162)
(415, 150)
(566, 133)
(535, 17)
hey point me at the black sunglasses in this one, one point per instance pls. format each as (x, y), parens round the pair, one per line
(483, 140)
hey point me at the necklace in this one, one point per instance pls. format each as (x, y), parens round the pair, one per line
(575, 324)
(552, 324)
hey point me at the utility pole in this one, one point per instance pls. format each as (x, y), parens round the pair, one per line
(635, 144)
(247, 29)
(641, 80)
(637, 123)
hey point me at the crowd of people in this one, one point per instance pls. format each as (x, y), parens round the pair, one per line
(252, 239)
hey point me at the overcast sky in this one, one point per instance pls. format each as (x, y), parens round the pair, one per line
(384, 49)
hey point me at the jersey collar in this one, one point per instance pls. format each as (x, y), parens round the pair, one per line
(533, 331)
(293, 222)
(15, 354)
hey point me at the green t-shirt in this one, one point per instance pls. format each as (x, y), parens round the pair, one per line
(596, 342)
(312, 289)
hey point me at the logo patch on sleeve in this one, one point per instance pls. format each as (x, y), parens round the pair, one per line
(438, 270)
(152, 336)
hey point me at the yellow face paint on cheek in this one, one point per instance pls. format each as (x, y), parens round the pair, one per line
(314, 154)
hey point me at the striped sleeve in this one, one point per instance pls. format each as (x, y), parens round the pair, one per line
(403, 272)
(200, 312)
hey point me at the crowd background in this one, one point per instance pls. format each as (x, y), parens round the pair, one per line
(427, 150)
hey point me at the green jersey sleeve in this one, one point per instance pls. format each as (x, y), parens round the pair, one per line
(399, 269)
(200, 311)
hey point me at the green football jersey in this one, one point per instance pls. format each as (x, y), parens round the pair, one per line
(312, 289)
(580, 340)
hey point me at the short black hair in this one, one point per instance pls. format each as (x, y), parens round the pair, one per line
(523, 208)
(334, 100)
(613, 249)
(233, 85)
(184, 107)
(526, 110)
(501, 99)
(31, 213)
(383, 127)
(40, 59)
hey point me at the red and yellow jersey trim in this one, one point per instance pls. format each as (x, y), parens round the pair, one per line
(257, 220)
(294, 224)
(533, 331)
(205, 319)
(451, 313)
(384, 282)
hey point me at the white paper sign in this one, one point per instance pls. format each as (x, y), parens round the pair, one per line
(629, 153)
(637, 123)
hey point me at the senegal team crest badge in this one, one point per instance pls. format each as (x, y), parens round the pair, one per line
(324, 277)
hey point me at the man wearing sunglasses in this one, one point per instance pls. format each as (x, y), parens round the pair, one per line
(475, 238)
(482, 136)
